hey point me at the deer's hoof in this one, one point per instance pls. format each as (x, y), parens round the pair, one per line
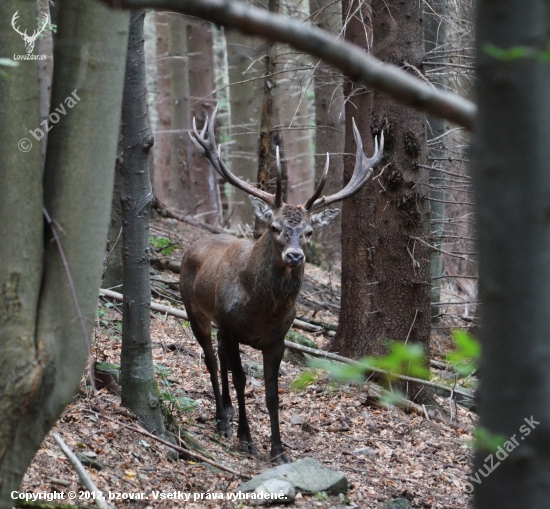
(224, 429)
(248, 447)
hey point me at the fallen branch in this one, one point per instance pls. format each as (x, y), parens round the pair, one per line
(185, 452)
(334, 357)
(81, 471)
(299, 324)
(353, 60)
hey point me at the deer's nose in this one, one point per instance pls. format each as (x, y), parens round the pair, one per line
(294, 257)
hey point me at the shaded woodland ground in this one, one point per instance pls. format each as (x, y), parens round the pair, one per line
(404, 455)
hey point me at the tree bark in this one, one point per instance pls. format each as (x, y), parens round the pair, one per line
(137, 375)
(21, 223)
(203, 178)
(385, 271)
(112, 276)
(43, 348)
(511, 172)
(435, 35)
(180, 114)
(329, 125)
(246, 110)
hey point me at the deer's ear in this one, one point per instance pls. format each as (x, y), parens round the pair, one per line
(324, 218)
(261, 209)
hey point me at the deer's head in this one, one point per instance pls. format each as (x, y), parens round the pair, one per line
(29, 39)
(290, 226)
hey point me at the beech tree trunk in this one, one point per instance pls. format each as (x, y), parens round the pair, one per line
(511, 172)
(43, 351)
(385, 268)
(137, 375)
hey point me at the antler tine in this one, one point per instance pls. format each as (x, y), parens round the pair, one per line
(279, 192)
(13, 21)
(319, 188)
(362, 172)
(205, 143)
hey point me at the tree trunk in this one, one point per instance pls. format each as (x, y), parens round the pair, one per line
(180, 113)
(167, 187)
(43, 348)
(246, 110)
(139, 387)
(511, 173)
(385, 270)
(435, 32)
(112, 267)
(266, 125)
(329, 125)
(203, 179)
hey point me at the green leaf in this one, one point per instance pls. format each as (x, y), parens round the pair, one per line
(513, 53)
(465, 357)
(486, 440)
(304, 380)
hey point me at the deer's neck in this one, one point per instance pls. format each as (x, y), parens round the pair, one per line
(269, 279)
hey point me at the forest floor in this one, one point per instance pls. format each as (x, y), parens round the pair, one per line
(409, 456)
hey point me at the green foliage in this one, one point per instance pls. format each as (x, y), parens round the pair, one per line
(320, 496)
(487, 441)
(163, 244)
(465, 357)
(401, 360)
(50, 27)
(306, 379)
(162, 371)
(516, 53)
(181, 403)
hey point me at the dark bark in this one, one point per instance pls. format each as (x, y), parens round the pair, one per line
(511, 172)
(139, 387)
(43, 349)
(266, 126)
(385, 271)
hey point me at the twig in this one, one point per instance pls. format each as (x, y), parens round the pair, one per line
(81, 471)
(184, 451)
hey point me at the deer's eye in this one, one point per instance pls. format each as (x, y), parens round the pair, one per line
(308, 233)
(275, 229)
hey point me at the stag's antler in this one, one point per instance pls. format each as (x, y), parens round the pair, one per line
(362, 172)
(205, 143)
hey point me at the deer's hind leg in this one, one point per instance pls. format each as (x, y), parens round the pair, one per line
(202, 330)
(224, 368)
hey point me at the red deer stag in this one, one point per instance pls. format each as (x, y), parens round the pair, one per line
(249, 289)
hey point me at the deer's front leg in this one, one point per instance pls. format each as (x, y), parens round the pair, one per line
(231, 350)
(272, 361)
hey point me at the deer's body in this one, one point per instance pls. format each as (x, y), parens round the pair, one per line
(236, 282)
(249, 289)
